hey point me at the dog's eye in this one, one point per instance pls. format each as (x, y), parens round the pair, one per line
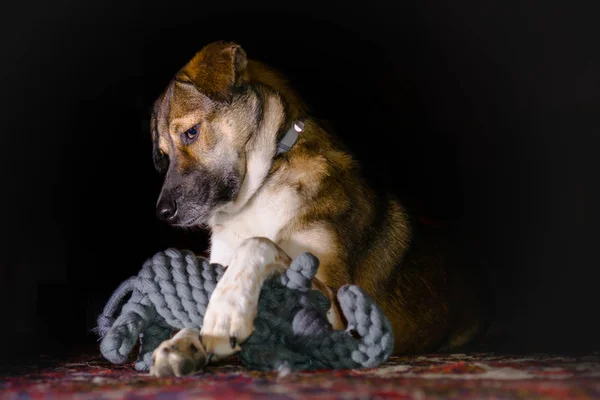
(190, 135)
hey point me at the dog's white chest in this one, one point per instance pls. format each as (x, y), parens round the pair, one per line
(265, 216)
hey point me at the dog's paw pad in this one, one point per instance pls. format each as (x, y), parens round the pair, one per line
(181, 355)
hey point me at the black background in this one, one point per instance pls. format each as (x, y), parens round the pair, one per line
(483, 115)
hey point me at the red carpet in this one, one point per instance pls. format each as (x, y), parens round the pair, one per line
(459, 376)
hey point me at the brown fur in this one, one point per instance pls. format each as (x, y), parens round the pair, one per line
(370, 240)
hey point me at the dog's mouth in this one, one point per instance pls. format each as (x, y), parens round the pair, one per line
(195, 221)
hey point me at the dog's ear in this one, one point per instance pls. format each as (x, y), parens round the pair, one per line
(217, 69)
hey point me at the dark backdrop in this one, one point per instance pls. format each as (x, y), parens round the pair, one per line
(482, 115)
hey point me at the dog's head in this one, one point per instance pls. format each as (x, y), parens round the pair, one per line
(200, 127)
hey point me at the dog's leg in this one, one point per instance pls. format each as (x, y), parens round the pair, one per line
(181, 355)
(229, 318)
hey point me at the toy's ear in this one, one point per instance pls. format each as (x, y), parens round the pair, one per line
(300, 272)
(216, 70)
(305, 264)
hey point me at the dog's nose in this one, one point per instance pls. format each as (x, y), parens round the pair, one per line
(166, 210)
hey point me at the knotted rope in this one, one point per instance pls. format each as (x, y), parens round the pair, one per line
(291, 329)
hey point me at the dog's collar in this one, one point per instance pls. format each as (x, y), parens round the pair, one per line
(291, 136)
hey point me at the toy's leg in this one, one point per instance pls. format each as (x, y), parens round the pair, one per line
(229, 318)
(152, 337)
(181, 355)
(123, 335)
(367, 342)
(369, 323)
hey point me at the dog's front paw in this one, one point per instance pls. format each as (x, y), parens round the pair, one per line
(229, 321)
(232, 308)
(181, 355)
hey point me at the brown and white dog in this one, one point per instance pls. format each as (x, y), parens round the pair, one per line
(224, 132)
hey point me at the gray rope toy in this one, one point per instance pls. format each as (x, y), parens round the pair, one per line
(291, 329)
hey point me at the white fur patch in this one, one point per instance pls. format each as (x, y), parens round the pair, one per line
(266, 215)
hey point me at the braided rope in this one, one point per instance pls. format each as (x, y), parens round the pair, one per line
(291, 329)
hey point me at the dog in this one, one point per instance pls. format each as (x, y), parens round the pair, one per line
(241, 156)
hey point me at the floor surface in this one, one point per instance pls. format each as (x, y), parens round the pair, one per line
(457, 376)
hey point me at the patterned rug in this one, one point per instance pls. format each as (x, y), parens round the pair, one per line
(457, 376)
